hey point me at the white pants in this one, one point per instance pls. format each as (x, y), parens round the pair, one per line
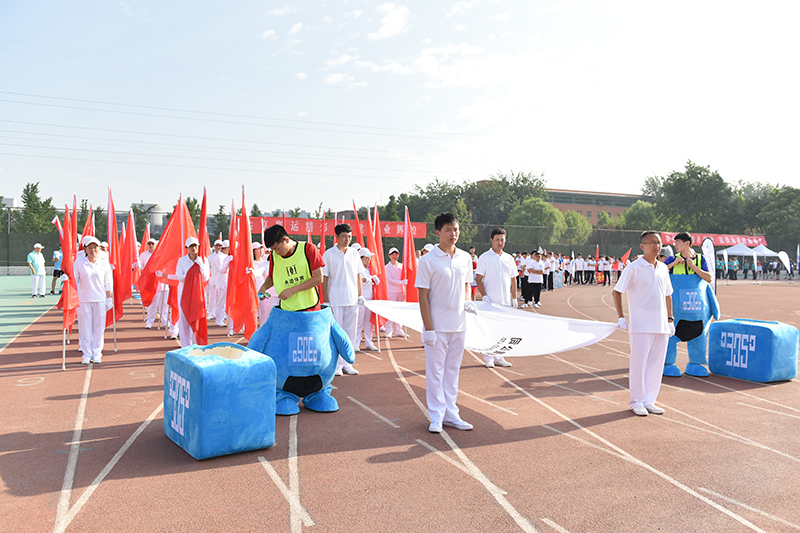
(648, 352)
(264, 308)
(347, 317)
(363, 324)
(91, 326)
(394, 327)
(38, 285)
(155, 307)
(442, 366)
(219, 307)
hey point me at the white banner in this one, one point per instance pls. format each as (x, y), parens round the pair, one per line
(505, 331)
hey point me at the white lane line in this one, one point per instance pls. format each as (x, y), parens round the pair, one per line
(590, 373)
(294, 474)
(371, 355)
(576, 364)
(744, 393)
(494, 490)
(767, 410)
(15, 337)
(580, 392)
(636, 461)
(373, 412)
(72, 460)
(683, 389)
(749, 508)
(103, 473)
(586, 442)
(554, 525)
(468, 395)
(295, 505)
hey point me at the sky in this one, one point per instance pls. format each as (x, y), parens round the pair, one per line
(309, 103)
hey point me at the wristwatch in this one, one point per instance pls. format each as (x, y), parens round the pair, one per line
(670, 319)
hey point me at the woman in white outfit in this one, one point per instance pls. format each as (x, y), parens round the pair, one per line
(95, 286)
(364, 314)
(396, 290)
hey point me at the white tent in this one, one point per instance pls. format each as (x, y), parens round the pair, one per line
(739, 249)
(763, 251)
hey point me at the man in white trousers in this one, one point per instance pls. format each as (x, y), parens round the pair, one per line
(211, 301)
(649, 289)
(443, 277)
(496, 276)
(95, 286)
(368, 280)
(341, 288)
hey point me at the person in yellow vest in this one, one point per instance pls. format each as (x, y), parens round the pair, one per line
(295, 270)
(686, 261)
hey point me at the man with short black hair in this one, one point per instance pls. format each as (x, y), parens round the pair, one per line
(496, 277)
(686, 261)
(295, 271)
(444, 300)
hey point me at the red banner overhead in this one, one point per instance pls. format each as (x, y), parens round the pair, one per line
(304, 226)
(719, 240)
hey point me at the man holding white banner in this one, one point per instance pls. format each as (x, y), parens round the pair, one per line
(496, 277)
(443, 278)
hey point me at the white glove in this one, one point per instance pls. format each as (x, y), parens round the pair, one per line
(361, 300)
(622, 324)
(64, 278)
(470, 307)
(429, 338)
(367, 279)
(159, 274)
(113, 267)
(486, 299)
(109, 304)
(376, 280)
(403, 282)
(248, 270)
(672, 328)
(514, 303)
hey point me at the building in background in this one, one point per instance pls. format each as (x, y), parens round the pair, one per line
(590, 204)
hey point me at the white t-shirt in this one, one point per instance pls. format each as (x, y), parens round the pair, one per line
(579, 264)
(647, 287)
(342, 270)
(394, 278)
(498, 271)
(183, 266)
(93, 279)
(446, 278)
(533, 264)
(366, 282)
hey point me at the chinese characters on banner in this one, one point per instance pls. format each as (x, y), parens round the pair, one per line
(719, 240)
(304, 226)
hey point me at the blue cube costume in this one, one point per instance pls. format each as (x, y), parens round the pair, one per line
(693, 305)
(305, 347)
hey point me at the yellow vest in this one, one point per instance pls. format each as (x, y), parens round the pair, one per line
(698, 261)
(291, 271)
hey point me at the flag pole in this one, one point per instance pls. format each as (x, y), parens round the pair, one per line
(377, 332)
(64, 350)
(114, 316)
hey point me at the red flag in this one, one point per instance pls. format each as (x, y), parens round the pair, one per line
(204, 250)
(172, 302)
(232, 272)
(376, 264)
(69, 289)
(359, 237)
(409, 271)
(244, 306)
(88, 227)
(170, 248)
(74, 219)
(114, 260)
(129, 255)
(57, 222)
(624, 258)
(145, 238)
(284, 222)
(125, 274)
(193, 303)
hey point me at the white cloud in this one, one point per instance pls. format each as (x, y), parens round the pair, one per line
(502, 17)
(460, 27)
(297, 28)
(327, 20)
(283, 11)
(393, 23)
(355, 14)
(338, 79)
(302, 114)
(341, 60)
(269, 35)
(125, 8)
(509, 33)
(301, 75)
(460, 8)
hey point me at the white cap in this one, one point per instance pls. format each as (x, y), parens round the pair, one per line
(104, 243)
(38, 245)
(192, 240)
(257, 246)
(89, 239)
(218, 241)
(226, 243)
(428, 247)
(364, 252)
(151, 240)
(355, 246)
(393, 250)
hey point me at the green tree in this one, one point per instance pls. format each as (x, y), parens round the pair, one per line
(577, 228)
(36, 215)
(390, 210)
(491, 200)
(435, 198)
(141, 216)
(781, 214)
(3, 216)
(194, 207)
(277, 213)
(294, 213)
(641, 216)
(467, 229)
(535, 222)
(255, 211)
(101, 224)
(221, 224)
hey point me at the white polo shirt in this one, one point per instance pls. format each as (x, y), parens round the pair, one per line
(343, 270)
(533, 264)
(446, 278)
(497, 271)
(579, 264)
(647, 287)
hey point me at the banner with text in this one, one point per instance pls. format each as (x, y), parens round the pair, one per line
(719, 240)
(304, 226)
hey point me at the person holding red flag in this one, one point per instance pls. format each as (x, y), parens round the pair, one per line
(95, 286)
(368, 280)
(191, 271)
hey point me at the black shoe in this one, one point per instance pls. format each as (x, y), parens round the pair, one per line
(52, 292)
(33, 296)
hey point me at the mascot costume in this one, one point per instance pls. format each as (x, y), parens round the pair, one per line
(693, 306)
(305, 347)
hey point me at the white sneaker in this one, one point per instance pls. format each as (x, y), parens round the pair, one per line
(640, 410)
(372, 348)
(348, 369)
(501, 362)
(537, 306)
(148, 326)
(97, 360)
(338, 372)
(489, 364)
(389, 335)
(458, 424)
(86, 361)
(654, 410)
(435, 427)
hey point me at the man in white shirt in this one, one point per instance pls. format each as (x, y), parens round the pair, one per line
(155, 305)
(647, 283)
(211, 301)
(443, 277)
(580, 264)
(496, 277)
(535, 277)
(341, 288)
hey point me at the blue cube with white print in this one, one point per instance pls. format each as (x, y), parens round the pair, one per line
(753, 350)
(219, 399)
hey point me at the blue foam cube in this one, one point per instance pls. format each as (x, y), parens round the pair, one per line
(219, 399)
(753, 350)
